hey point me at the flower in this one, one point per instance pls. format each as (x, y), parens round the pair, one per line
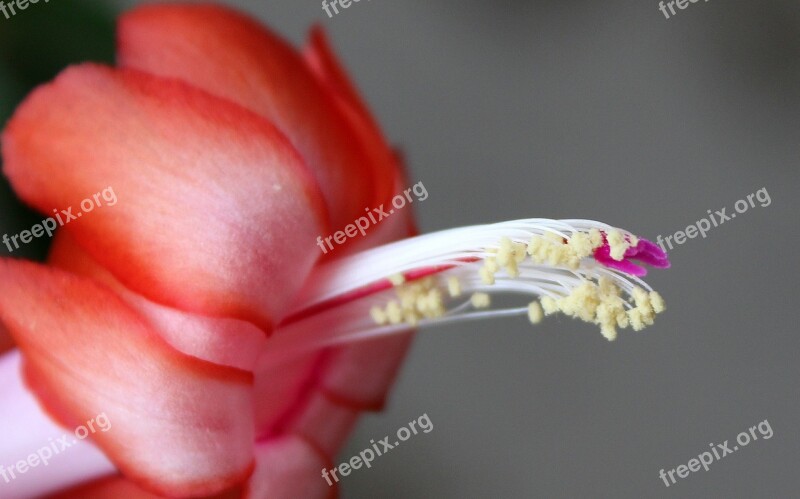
(198, 314)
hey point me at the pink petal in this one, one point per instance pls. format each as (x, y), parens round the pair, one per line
(232, 56)
(117, 487)
(216, 212)
(31, 431)
(229, 342)
(289, 468)
(179, 425)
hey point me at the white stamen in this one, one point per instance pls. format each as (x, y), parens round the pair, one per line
(484, 260)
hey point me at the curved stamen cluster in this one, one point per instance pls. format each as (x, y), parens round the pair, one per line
(595, 299)
(580, 268)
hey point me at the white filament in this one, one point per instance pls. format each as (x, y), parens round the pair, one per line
(448, 247)
(352, 321)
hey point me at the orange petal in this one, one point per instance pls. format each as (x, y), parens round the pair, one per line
(178, 425)
(231, 55)
(216, 212)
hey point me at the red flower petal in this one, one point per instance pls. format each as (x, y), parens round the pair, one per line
(229, 342)
(344, 382)
(33, 430)
(281, 389)
(289, 401)
(322, 60)
(107, 488)
(178, 425)
(231, 55)
(290, 468)
(326, 423)
(216, 212)
(321, 395)
(6, 342)
(361, 374)
(117, 487)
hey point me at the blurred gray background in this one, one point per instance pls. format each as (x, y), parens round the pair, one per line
(604, 110)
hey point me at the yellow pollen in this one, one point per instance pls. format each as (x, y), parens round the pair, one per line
(581, 244)
(508, 255)
(552, 250)
(617, 244)
(553, 237)
(394, 312)
(535, 313)
(657, 302)
(511, 269)
(635, 317)
(480, 300)
(454, 287)
(504, 254)
(519, 252)
(596, 238)
(600, 303)
(378, 315)
(549, 305)
(608, 333)
(417, 300)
